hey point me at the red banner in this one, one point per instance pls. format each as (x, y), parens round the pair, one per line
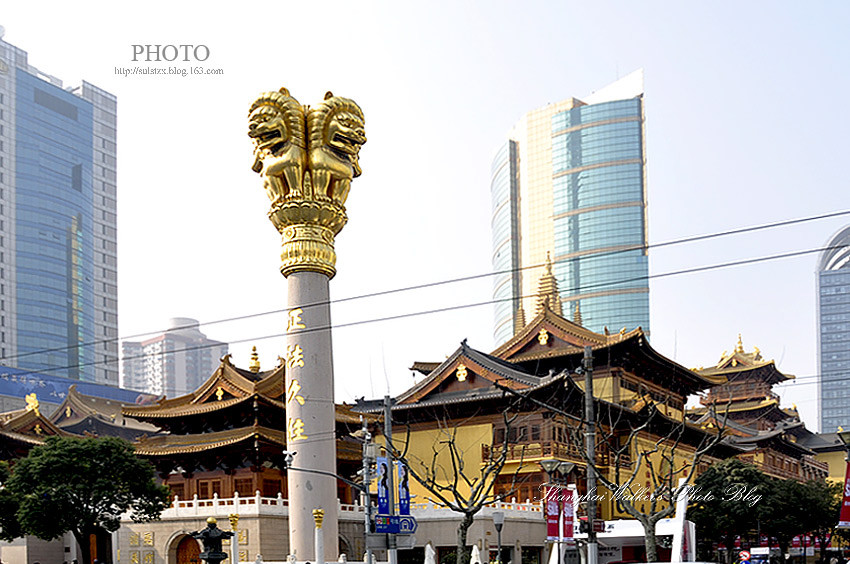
(553, 511)
(844, 517)
(569, 514)
(559, 502)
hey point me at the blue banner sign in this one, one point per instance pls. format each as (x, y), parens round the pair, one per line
(383, 485)
(403, 489)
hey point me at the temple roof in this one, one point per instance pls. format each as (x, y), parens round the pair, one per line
(466, 371)
(80, 414)
(740, 365)
(227, 386)
(741, 406)
(561, 337)
(551, 342)
(779, 439)
(822, 442)
(22, 429)
(170, 445)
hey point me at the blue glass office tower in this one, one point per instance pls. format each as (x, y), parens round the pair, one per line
(834, 333)
(58, 279)
(571, 183)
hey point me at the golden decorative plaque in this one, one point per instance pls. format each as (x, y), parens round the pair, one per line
(307, 157)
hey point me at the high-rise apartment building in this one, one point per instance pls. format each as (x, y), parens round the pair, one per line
(58, 278)
(833, 283)
(172, 364)
(570, 185)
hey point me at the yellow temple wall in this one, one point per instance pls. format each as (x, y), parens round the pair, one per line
(837, 465)
(468, 440)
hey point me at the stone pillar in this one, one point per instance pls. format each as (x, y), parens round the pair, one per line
(310, 416)
(307, 156)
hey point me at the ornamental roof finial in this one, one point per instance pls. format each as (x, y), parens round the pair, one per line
(254, 366)
(548, 294)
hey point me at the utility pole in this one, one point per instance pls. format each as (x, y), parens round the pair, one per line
(590, 444)
(369, 456)
(388, 436)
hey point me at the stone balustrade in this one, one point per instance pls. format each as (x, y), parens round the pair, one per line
(259, 505)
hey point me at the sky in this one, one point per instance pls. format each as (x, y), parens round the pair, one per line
(746, 123)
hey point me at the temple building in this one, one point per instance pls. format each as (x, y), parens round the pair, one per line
(524, 402)
(22, 429)
(743, 401)
(220, 449)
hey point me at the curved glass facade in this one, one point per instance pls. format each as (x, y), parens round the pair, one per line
(600, 213)
(834, 333)
(571, 183)
(505, 231)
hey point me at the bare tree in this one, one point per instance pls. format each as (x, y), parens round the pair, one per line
(631, 443)
(461, 486)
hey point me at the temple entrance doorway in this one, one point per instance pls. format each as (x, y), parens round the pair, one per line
(188, 551)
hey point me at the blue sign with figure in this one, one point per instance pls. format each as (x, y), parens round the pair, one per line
(383, 485)
(403, 489)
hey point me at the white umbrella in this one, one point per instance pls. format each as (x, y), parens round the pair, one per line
(476, 555)
(430, 554)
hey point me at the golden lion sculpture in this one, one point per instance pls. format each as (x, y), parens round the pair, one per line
(276, 125)
(336, 133)
(306, 153)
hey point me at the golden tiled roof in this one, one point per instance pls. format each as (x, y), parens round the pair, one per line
(168, 445)
(739, 361)
(737, 407)
(574, 336)
(77, 407)
(240, 385)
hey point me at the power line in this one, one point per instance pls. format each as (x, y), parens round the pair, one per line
(441, 309)
(684, 240)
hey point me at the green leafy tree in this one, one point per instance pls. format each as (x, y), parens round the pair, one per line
(9, 527)
(83, 486)
(726, 501)
(783, 511)
(821, 505)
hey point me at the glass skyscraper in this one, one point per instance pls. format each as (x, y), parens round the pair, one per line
(58, 278)
(834, 333)
(571, 183)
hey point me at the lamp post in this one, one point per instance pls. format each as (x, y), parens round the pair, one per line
(557, 471)
(498, 521)
(844, 517)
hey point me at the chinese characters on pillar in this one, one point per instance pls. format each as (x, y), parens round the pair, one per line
(294, 357)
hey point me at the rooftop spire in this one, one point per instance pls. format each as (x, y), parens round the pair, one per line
(548, 295)
(254, 365)
(519, 319)
(577, 314)
(739, 348)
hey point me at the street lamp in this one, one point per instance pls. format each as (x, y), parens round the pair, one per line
(498, 521)
(557, 471)
(843, 522)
